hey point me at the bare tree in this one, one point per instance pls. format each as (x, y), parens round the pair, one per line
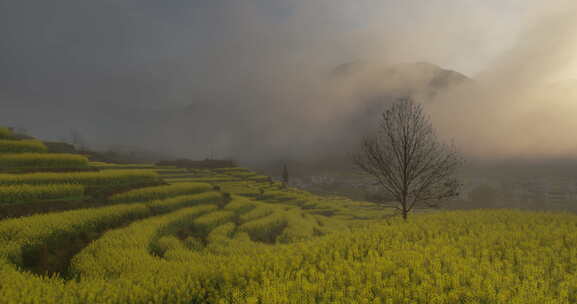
(407, 161)
(77, 140)
(285, 175)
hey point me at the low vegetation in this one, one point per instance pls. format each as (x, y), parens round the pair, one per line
(22, 146)
(243, 238)
(28, 193)
(5, 133)
(43, 161)
(159, 192)
(102, 178)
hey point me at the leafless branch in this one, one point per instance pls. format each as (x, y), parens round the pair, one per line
(406, 159)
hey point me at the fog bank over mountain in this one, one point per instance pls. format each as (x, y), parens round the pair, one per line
(523, 105)
(270, 80)
(312, 124)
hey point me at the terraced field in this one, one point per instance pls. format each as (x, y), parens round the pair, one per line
(147, 234)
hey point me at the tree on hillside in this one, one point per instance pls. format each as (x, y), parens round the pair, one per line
(78, 140)
(407, 161)
(285, 175)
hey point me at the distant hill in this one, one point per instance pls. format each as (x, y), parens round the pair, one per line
(422, 78)
(375, 87)
(382, 85)
(254, 128)
(306, 120)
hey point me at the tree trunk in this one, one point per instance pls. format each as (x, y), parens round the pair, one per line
(405, 212)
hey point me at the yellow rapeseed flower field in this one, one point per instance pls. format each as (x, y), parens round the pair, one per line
(447, 257)
(192, 243)
(26, 193)
(159, 192)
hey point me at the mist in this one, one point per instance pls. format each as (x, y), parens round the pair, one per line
(302, 80)
(522, 105)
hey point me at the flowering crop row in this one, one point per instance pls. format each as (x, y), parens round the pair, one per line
(22, 146)
(159, 192)
(25, 193)
(43, 161)
(102, 178)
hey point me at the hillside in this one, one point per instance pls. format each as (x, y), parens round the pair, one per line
(142, 233)
(57, 210)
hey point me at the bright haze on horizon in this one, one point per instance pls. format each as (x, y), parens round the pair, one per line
(255, 79)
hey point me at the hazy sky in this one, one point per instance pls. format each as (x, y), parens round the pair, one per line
(64, 62)
(159, 52)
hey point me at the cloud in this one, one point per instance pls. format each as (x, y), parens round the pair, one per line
(521, 105)
(252, 79)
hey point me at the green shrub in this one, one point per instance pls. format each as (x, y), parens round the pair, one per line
(5, 133)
